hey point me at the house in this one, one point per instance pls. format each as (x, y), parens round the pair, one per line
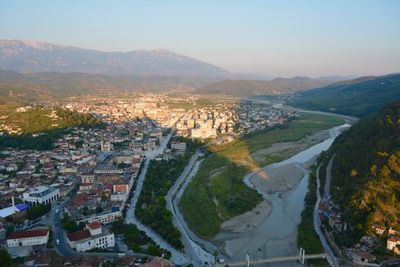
(179, 147)
(93, 236)
(335, 222)
(359, 256)
(368, 241)
(378, 229)
(28, 238)
(392, 242)
(393, 232)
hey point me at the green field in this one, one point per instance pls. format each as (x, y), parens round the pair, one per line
(217, 193)
(240, 151)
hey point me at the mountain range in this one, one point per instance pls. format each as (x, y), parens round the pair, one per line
(33, 56)
(357, 97)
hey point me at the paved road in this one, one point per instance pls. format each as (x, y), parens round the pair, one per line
(317, 226)
(327, 186)
(177, 256)
(197, 255)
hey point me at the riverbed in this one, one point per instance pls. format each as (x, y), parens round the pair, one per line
(274, 234)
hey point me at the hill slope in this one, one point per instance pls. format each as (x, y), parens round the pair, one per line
(366, 172)
(33, 86)
(34, 56)
(276, 86)
(359, 97)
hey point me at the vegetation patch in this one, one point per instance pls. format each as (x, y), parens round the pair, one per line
(137, 240)
(366, 174)
(307, 238)
(216, 196)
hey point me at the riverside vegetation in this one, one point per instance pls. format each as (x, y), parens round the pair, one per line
(151, 206)
(217, 192)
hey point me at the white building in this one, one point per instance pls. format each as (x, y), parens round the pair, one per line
(392, 242)
(106, 146)
(28, 238)
(41, 195)
(104, 218)
(94, 236)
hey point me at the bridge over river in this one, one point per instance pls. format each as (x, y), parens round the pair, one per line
(301, 258)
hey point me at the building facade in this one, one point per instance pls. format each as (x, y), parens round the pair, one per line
(41, 195)
(28, 238)
(93, 236)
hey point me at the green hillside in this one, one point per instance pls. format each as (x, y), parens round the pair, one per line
(48, 85)
(37, 127)
(277, 86)
(360, 97)
(366, 172)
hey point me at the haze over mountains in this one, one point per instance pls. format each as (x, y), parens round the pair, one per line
(38, 70)
(34, 56)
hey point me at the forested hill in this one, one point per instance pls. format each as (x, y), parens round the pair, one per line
(37, 127)
(50, 85)
(359, 97)
(366, 171)
(277, 86)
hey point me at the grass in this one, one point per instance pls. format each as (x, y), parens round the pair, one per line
(210, 200)
(240, 151)
(217, 192)
(307, 238)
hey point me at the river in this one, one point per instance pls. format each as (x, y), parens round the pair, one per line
(276, 234)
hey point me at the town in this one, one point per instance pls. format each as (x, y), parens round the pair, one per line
(69, 199)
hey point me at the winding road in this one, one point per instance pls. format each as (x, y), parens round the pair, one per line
(317, 224)
(197, 255)
(177, 257)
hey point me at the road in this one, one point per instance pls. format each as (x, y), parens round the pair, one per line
(197, 255)
(317, 227)
(177, 256)
(58, 232)
(327, 187)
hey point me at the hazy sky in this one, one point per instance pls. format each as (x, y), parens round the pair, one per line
(280, 38)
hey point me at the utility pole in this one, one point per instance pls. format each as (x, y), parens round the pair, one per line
(247, 259)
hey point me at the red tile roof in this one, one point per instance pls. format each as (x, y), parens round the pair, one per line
(94, 225)
(79, 235)
(30, 233)
(136, 160)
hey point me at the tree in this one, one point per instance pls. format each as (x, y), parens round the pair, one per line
(5, 258)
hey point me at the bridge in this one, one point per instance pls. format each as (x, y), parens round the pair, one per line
(301, 258)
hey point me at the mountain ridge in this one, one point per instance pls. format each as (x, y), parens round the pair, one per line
(357, 97)
(276, 86)
(34, 56)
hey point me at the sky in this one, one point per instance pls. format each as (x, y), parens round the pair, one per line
(276, 38)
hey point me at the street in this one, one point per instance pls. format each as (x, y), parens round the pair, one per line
(194, 252)
(317, 224)
(177, 256)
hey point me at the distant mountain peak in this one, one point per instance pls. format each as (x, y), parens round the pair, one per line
(36, 56)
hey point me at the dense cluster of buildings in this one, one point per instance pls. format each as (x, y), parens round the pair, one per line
(90, 173)
(221, 121)
(93, 170)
